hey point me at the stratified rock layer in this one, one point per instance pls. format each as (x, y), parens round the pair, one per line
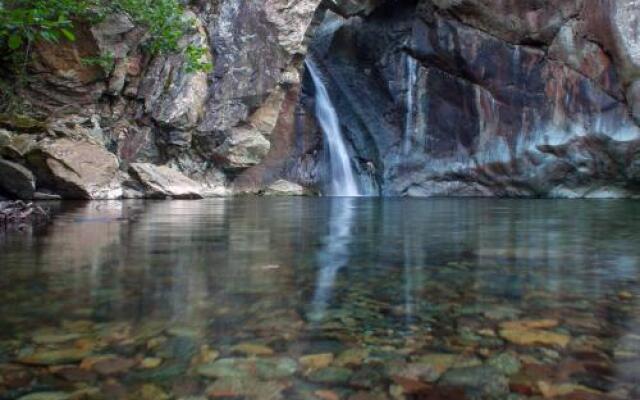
(488, 98)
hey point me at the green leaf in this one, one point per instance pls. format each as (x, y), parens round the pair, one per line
(15, 41)
(68, 34)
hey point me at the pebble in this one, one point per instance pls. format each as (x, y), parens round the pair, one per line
(331, 375)
(150, 362)
(252, 349)
(312, 362)
(55, 357)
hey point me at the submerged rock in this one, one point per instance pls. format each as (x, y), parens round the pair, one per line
(55, 357)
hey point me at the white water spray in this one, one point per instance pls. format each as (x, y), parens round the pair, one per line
(343, 182)
(409, 127)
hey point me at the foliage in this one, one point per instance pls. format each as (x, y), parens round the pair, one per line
(23, 22)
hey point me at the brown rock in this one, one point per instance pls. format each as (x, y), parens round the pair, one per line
(113, 366)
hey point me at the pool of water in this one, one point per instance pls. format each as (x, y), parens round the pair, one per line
(323, 298)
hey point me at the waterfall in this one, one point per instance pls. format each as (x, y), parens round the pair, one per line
(343, 182)
(409, 127)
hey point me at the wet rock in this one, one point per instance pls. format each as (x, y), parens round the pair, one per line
(550, 390)
(529, 324)
(151, 392)
(535, 336)
(507, 363)
(16, 180)
(284, 188)
(480, 380)
(313, 362)
(54, 338)
(46, 396)
(275, 368)
(75, 374)
(225, 368)
(113, 366)
(352, 357)
(326, 395)
(252, 349)
(162, 182)
(55, 357)
(245, 387)
(150, 362)
(331, 375)
(76, 169)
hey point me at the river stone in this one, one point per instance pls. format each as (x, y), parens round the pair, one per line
(245, 387)
(113, 366)
(331, 375)
(54, 338)
(226, 368)
(506, 363)
(46, 396)
(312, 362)
(275, 368)
(76, 169)
(16, 180)
(252, 349)
(480, 380)
(535, 336)
(55, 357)
(160, 181)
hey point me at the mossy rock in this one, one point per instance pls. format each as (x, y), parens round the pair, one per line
(22, 123)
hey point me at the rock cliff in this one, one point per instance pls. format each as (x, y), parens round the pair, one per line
(435, 97)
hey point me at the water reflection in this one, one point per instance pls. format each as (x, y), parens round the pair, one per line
(335, 253)
(392, 281)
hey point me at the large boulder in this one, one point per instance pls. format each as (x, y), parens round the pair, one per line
(284, 188)
(160, 181)
(16, 180)
(76, 169)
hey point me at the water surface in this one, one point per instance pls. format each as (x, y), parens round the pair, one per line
(324, 298)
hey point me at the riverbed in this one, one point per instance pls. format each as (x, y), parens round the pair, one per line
(324, 298)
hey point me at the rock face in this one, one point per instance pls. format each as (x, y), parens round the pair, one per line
(435, 97)
(489, 98)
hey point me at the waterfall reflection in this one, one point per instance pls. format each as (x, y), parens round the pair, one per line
(334, 255)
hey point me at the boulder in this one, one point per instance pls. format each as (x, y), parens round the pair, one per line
(243, 148)
(16, 180)
(160, 181)
(284, 188)
(76, 169)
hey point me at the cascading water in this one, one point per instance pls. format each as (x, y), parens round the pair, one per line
(343, 181)
(409, 128)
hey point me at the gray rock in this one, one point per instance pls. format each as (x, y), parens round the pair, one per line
(76, 169)
(243, 148)
(16, 180)
(160, 181)
(284, 188)
(479, 382)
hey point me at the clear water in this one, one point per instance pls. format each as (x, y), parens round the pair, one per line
(402, 298)
(343, 181)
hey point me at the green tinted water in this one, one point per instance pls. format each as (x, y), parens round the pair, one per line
(324, 298)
